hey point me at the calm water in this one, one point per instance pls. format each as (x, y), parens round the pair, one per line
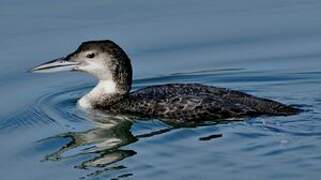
(270, 49)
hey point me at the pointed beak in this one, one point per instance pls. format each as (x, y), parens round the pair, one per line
(57, 65)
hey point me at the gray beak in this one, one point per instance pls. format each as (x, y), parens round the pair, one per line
(57, 65)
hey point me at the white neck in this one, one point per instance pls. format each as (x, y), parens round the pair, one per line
(104, 88)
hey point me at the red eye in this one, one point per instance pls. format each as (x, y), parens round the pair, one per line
(91, 55)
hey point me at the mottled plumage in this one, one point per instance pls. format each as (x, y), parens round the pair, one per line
(176, 102)
(194, 102)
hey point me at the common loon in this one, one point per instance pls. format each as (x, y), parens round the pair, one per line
(110, 64)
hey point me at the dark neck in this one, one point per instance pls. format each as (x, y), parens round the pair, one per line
(110, 90)
(121, 68)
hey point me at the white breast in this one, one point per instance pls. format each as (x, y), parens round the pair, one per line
(103, 89)
(84, 103)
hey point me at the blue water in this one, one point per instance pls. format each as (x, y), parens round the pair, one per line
(267, 48)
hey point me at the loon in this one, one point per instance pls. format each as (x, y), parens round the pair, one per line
(109, 63)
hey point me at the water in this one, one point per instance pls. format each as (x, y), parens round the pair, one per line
(267, 48)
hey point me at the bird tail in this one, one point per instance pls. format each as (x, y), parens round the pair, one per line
(285, 110)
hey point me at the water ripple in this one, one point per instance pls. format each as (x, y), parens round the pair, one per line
(53, 108)
(103, 145)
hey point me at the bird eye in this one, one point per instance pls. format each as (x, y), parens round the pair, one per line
(90, 55)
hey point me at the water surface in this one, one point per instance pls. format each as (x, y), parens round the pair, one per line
(267, 48)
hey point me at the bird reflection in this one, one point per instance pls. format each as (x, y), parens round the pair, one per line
(104, 141)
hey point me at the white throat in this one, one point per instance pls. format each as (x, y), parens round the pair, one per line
(104, 88)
